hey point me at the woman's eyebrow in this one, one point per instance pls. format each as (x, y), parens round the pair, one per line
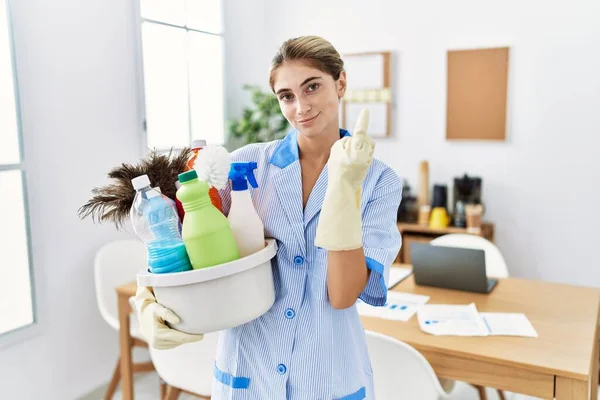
(302, 84)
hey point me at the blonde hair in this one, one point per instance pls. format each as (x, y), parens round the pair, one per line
(315, 50)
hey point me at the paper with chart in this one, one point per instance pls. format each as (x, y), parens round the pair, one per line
(399, 307)
(508, 324)
(455, 320)
(397, 275)
(465, 320)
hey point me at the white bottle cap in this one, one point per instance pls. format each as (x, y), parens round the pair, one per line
(140, 182)
(198, 143)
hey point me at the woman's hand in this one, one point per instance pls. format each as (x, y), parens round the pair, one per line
(153, 319)
(340, 225)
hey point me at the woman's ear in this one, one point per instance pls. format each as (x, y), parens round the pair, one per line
(341, 85)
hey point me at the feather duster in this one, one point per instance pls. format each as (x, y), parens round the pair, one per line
(111, 203)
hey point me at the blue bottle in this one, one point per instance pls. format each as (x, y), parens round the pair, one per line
(156, 222)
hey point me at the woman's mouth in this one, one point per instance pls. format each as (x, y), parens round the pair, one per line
(308, 121)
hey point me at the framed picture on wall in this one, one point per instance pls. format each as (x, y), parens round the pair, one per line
(369, 86)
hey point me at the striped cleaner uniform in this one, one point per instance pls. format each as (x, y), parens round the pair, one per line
(303, 348)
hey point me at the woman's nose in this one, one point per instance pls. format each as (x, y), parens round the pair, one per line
(303, 107)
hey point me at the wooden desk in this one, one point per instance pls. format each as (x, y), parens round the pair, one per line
(562, 362)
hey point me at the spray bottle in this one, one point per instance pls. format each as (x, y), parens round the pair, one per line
(247, 227)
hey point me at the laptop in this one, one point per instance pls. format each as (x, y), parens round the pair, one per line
(450, 268)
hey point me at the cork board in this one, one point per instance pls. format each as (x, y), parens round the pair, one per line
(477, 94)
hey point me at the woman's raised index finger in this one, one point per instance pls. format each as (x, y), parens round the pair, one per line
(362, 123)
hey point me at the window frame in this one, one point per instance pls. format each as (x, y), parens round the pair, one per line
(36, 327)
(141, 103)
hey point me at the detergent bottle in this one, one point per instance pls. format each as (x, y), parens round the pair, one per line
(247, 227)
(155, 221)
(206, 232)
(196, 146)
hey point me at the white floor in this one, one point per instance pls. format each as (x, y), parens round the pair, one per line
(147, 387)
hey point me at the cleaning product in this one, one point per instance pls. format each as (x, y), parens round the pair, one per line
(196, 146)
(206, 232)
(247, 227)
(155, 221)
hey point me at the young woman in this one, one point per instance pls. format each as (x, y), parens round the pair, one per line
(332, 210)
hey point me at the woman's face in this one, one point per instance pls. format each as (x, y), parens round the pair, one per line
(308, 98)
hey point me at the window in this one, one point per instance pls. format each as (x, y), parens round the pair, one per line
(16, 294)
(182, 61)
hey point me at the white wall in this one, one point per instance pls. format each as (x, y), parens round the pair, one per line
(540, 187)
(77, 84)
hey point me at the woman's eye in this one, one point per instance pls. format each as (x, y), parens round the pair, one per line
(286, 97)
(313, 86)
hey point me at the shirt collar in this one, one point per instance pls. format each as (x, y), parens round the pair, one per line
(287, 150)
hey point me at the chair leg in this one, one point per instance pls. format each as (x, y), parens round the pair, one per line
(482, 393)
(114, 382)
(172, 393)
(501, 394)
(163, 389)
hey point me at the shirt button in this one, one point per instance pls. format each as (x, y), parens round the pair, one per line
(281, 369)
(289, 313)
(298, 260)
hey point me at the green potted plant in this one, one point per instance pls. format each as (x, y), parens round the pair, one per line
(262, 122)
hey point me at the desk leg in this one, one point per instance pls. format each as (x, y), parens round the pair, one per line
(125, 345)
(595, 367)
(571, 389)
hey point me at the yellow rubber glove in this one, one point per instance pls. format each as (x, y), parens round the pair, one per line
(340, 222)
(153, 318)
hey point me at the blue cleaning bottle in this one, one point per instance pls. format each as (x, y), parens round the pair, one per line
(247, 227)
(156, 222)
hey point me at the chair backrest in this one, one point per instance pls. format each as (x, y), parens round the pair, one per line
(494, 262)
(190, 366)
(400, 371)
(115, 264)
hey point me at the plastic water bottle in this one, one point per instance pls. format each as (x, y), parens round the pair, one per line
(247, 227)
(155, 221)
(206, 232)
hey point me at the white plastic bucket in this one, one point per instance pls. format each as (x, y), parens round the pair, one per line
(219, 297)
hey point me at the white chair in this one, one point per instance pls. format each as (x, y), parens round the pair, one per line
(187, 368)
(494, 262)
(400, 371)
(495, 266)
(115, 264)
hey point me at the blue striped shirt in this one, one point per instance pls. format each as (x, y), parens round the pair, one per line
(303, 348)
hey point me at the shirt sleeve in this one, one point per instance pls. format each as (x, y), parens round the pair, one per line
(381, 237)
